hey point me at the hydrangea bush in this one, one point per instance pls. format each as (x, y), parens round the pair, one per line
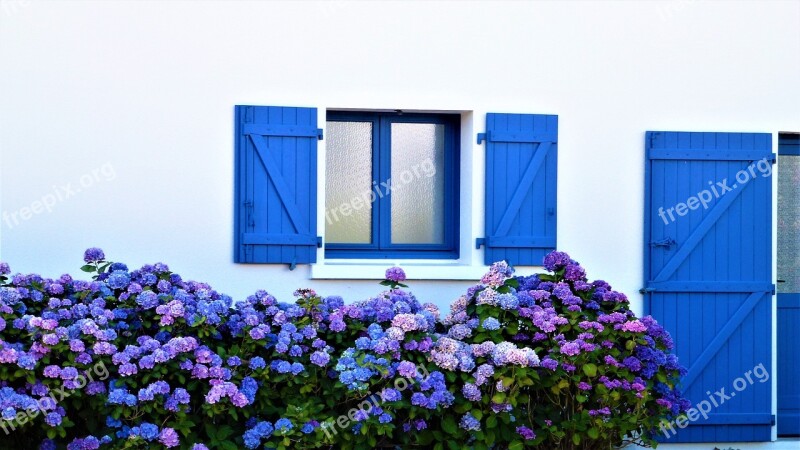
(144, 359)
(555, 361)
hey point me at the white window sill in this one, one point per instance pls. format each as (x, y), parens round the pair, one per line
(376, 270)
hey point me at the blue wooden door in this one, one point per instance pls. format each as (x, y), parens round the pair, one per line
(788, 284)
(708, 272)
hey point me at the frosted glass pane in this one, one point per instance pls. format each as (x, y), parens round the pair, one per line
(348, 182)
(789, 223)
(417, 183)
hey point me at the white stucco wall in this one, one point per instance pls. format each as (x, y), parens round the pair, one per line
(132, 103)
(144, 91)
(135, 99)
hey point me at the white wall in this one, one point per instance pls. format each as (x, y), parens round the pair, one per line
(148, 88)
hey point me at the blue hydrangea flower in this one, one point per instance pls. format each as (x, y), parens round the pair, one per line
(118, 279)
(470, 423)
(257, 363)
(490, 323)
(283, 425)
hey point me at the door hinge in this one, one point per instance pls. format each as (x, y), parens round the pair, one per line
(479, 242)
(481, 138)
(666, 242)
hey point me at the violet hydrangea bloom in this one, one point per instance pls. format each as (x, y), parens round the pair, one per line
(168, 437)
(556, 260)
(395, 274)
(94, 254)
(526, 433)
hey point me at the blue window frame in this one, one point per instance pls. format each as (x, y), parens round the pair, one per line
(392, 184)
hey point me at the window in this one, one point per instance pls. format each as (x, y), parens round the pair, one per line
(391, 187)
(392, 190)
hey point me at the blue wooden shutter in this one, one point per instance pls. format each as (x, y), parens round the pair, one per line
(521, 163)
(708, 272)
(276, 185)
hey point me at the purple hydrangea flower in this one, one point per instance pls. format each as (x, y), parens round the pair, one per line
(554, 261)
(395, 274)
(168, 437)
(320, 358)
(53, 419)
(526, 433)
(471, 392)
(407, 369)
(94, 254)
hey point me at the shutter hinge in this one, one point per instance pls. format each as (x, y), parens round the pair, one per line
(646, 290)
(319, 134)
(481, 137)
(773, 289)
(774, 159)
(293, 264)
(479, 242)
(319, 241)
(772, 420)
(248, 207)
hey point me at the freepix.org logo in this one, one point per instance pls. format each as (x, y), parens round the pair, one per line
(59, 194)
(98, 372)
(716, 190)
(715, 400)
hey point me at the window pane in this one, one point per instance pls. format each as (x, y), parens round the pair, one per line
(348, 182)
(417, 183)
(789, 223)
